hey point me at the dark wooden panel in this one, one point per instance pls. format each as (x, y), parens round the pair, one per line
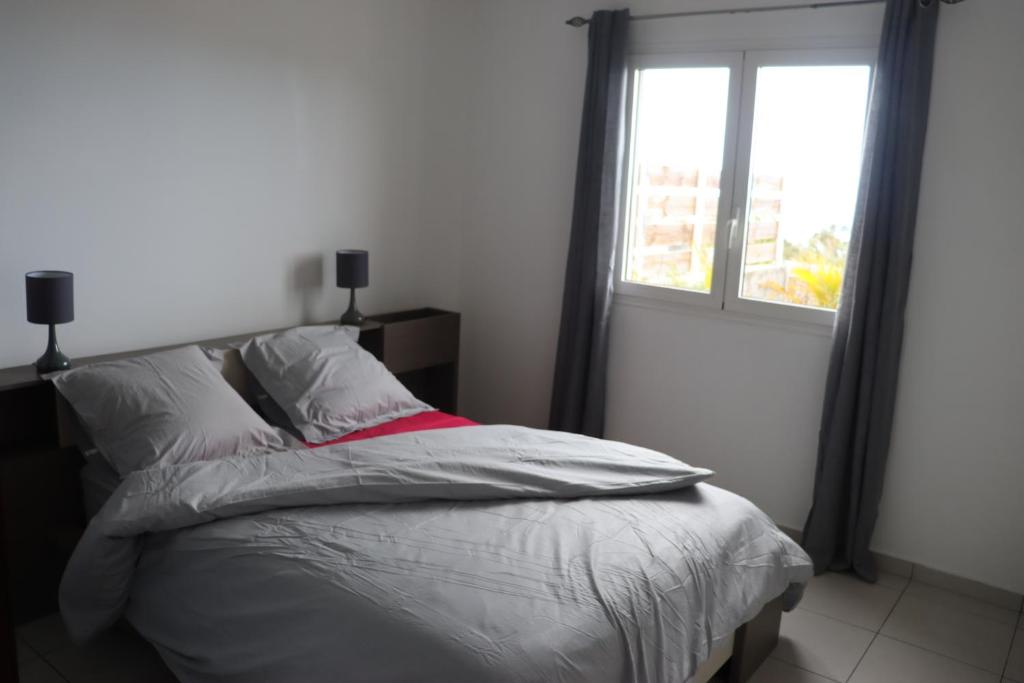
(421, 339)
(8, 651)
(436, 385)
(18, 377)
(755, 640)
(373, 341)
(27, 417)
(43, 515)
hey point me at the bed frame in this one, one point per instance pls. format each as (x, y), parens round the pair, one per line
(734, 661)
(752, 643)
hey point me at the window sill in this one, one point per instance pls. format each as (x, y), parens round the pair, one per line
(687, 309)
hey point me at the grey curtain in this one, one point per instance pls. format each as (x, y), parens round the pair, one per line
(860, 392)
(577, 401)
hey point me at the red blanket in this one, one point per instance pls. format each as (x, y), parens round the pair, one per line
(414, 423)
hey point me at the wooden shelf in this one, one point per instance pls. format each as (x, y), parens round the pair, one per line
(18, 377)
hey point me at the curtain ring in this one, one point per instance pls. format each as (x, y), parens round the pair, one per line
(925, 3)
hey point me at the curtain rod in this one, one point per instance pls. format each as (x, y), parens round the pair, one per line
(577, 22)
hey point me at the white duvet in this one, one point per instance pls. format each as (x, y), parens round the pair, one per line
(491, 553)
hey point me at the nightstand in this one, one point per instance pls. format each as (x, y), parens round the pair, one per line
(421, 347)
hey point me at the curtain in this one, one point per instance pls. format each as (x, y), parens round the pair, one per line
(577, 401)
(860, 392)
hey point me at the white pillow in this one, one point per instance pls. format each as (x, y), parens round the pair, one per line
(161, 409)
(326, 383)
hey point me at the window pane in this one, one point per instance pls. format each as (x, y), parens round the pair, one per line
(677, 164)
(804, 174)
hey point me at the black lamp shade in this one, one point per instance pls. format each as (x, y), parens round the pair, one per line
(50, 296)
(353, 267)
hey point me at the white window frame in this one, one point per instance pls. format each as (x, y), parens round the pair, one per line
(752, 62)
(730, 238)
(734, 61)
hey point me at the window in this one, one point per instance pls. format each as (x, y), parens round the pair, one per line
(680, 140)
(743, 177)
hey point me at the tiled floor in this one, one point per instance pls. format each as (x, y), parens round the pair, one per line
(895, 631)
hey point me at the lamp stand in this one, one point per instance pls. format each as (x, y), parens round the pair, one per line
(52, 360)
(352, 316)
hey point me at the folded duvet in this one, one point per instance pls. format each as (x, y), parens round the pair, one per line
(490, 553)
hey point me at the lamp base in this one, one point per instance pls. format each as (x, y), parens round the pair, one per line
(352, 316)
(52, 359)
(52, 363)
(355, 318)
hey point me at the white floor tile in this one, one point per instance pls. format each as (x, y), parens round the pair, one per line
(971, 589)
(778, 671)
(967, 637)
(1015, 664)
(45, 635)
(38, 671)
(892, 580)
(847, 598)
(890, 661)
(961, 602)
(821, 645)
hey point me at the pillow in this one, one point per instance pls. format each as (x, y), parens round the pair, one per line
(163, 409)
(326, 383)
(269, 408)
(228, 361)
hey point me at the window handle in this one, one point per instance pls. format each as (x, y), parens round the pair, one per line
(734, 225)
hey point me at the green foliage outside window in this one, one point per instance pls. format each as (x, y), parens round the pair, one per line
(822, 264)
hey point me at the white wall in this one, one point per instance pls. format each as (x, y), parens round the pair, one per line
(953, 494)
(745, 399)
(196, 163)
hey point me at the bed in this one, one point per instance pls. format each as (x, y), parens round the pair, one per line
(431, 548)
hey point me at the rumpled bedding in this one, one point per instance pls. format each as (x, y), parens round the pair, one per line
(488, 553)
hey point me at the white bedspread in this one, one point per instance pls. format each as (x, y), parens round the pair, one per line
(491, 553)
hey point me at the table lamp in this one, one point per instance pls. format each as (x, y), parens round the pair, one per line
(50, 300)
(353, 270)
